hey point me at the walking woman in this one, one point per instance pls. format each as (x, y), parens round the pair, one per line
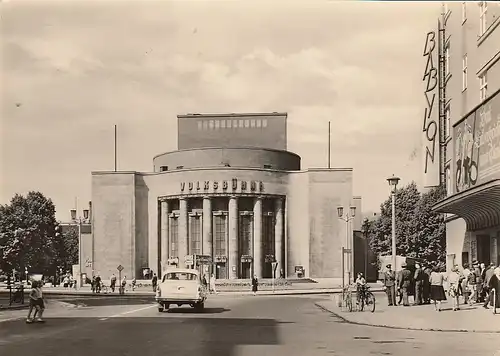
(437, 290)
(255, 284)
(454, 281)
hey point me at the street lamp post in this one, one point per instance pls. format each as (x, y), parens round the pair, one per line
(78, 221)
(393, 182)
(347, 218)
(365, 231)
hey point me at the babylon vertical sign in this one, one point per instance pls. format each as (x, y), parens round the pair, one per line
(431, 112)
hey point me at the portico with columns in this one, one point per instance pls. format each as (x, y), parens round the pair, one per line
(242, 233)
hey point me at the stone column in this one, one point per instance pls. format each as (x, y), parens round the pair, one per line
(233, 238)
(278, 235)
(257, 237)
(183, 231)
(165, 248)
(207, 226)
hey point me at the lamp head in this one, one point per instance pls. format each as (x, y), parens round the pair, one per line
(393, 181)
(353, 211)
(73, 214)
(340, 211)
(86, 214)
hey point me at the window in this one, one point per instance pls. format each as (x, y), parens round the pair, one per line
(245, 237)
(447, 115)
(220, 235)
(464, 11)
(483, 86)
(483, 8)
(180, 276)
(268, 235)
(235, 124)
(195, 235)
(264, 123)
(217, 124)
(211, 124)
(252, 123)
(241, 123)
(229, 122)
(247, 123)
(464, 72)
(258, 122)
(447, 60)
(180, 167)
(200, 125)
(223, 124)
(163, 168)
(205, 125)
(174, 237)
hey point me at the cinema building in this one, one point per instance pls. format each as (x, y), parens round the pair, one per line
(467, 59)
(231, 192)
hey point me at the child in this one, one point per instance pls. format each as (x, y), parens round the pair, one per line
(33, 300)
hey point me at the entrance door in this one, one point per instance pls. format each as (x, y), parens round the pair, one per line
(246, 270)
(221, 270)
(483, 249)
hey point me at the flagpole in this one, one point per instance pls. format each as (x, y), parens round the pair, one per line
(115, 149)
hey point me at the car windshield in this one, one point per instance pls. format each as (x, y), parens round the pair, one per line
(182, 276)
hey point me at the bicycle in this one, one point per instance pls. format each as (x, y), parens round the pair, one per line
(347, 298)
(367, 298)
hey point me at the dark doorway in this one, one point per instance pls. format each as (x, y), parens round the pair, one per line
(221, 270)
(246, 270)
(483, 249)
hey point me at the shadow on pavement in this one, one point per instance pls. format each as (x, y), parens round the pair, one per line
(96, 301)
(137, 336)
(177, 310)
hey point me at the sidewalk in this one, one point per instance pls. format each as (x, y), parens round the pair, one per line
(469, 319)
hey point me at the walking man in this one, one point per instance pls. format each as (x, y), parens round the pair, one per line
(419, 284)
(405, 283)
(390, 285)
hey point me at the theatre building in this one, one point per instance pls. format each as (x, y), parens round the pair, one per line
(467, 42)
(231, 192)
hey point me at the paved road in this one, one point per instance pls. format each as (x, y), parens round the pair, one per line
(230, 326)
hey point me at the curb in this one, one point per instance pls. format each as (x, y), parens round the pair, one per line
(16, 307)
(344, 320)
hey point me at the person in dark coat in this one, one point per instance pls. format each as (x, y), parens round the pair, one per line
(405, 283)
(255, 284)
(419, 284)
(390, 285)
(154, 282)
(494, 286)
(426, 290)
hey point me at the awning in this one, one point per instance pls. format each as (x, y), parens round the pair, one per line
(478, 206)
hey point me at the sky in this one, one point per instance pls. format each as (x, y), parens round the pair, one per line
(72, 70)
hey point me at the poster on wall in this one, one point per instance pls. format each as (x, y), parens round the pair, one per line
(477, 146)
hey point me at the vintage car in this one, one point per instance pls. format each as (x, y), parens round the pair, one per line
(181, 286)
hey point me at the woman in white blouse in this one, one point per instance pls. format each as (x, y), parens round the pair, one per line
(437, 290)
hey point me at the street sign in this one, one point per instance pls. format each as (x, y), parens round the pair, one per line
(120, 268)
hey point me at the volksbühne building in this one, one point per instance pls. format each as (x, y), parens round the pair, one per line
(470, 74)
(231, 192)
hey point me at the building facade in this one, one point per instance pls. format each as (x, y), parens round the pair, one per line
(467, 64)
(243, 204)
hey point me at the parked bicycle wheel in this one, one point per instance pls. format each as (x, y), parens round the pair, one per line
(348, 301)
(370, 301)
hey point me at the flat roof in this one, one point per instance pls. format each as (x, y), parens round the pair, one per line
(201, 116)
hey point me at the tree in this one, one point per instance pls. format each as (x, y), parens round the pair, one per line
(27, 233)
(420, 232)
(66, 247)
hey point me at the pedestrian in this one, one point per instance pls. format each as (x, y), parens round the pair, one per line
(98, 285)
(154, 281)
(399, 292)
(494, 287)
(212, 284)
(454, 287)
(93, 284)
(419, 284)
(255, 284)
(465, 283)
(123, 284)
(33, 302)
(490, 272)
(390, 285)
(112, 283)
(134, 282)
(437, 290)
(427, 285)
(481, 274)
(405, 283)
(360, 287)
